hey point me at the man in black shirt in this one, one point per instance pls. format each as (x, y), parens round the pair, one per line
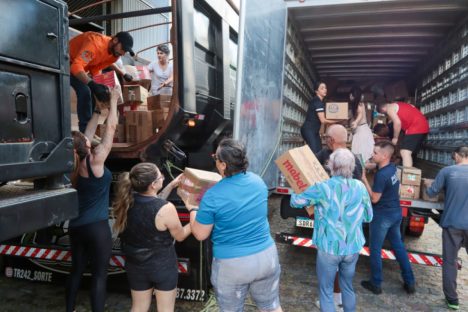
(336, 138)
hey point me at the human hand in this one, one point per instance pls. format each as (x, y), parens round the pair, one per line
(395, 141)
(176, 182)
(128, 77)
(427, 182)
(99, 90)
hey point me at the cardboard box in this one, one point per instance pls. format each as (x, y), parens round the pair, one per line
(195, 183)
(138, 126)
(410, 175)
(131, 106)
(110, 79)
(424, 196)
(140, 74)
(159, 101)
(159, 116)
(119, 135)
(409, 191)
(135, 93)
(301, 168)
(336, 110)
(73, 101)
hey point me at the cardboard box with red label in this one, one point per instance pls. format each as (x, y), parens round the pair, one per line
(195, 183)
(110, 79)
(409, 191)
(301, 168)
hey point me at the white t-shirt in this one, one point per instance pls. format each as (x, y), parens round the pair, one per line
(158, 76)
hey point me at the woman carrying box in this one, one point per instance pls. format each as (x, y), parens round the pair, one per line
(148, 226)
(234, 212)
(315, 117)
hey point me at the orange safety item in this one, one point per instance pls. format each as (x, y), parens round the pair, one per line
(89, 53)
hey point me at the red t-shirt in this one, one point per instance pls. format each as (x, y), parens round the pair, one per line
(412, 120)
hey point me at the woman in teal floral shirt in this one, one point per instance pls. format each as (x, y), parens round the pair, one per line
(341, 204)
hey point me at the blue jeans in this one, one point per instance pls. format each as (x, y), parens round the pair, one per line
(387, 225)
(85, 102)
(327, 265)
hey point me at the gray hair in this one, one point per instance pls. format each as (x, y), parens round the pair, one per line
(342, 163)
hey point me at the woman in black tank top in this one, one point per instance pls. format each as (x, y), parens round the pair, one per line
(148, 226)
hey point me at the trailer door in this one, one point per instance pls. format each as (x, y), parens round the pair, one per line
(257, 121)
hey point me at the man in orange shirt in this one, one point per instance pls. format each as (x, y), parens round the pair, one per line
(90, 52)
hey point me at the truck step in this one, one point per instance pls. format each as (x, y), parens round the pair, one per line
(24, 210)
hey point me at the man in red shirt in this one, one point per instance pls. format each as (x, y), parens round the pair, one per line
(408, 118)
(90, 52)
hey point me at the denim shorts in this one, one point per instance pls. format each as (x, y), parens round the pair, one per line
(259, 273)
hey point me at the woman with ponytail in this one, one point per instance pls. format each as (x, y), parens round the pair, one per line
(148, 225)
(235, 213)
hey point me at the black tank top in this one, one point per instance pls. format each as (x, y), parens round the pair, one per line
(141, 231)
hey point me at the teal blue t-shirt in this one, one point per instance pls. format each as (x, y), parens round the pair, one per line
(237, 206)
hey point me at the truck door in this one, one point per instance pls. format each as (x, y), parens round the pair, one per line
(259, 83)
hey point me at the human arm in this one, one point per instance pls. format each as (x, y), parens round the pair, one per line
(359, 116)
(103, 149)
(311, 196)
(169, 218)
(324, 121)
(366, 202)
(392, 114)
(433, 188)
(121, 71)
(374, 196)
(164, 194)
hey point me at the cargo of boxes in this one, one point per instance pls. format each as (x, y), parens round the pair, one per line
(410, 181)
(159, 102)
(195, 183)
(135, 93)
(301, 168)
(140, 75)
(119, 135)
(138, 126)
(336, 110)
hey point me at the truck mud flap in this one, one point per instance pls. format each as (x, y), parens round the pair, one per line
(415, 257)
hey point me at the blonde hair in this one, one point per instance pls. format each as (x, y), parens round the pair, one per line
(137, 180)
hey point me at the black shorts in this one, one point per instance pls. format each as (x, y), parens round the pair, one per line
(412, 142)
(161, 278)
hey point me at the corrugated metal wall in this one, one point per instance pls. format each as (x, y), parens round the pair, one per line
(146, 37)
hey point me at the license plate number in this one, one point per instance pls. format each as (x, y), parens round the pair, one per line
(305, 223)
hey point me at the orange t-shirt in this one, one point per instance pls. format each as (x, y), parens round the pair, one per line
(88, 53)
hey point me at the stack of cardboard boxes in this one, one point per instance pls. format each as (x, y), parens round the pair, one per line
(140, 115)
(410, 181)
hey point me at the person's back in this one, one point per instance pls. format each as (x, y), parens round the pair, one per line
(386, 182)
(412, 120)
(141, 232)
(89, 52)
(454, 180)
(240, 207)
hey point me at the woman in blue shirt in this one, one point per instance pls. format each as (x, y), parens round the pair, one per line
(342, 204)
(234, 212)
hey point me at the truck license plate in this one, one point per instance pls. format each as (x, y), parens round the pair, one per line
(304, 222)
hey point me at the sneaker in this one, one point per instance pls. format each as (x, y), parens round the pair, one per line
(371, 287)
(338, 307)
(410, 289)
(452, 304)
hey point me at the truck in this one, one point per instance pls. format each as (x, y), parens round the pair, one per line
(203, 37)
(250, 74)
(416, 51)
